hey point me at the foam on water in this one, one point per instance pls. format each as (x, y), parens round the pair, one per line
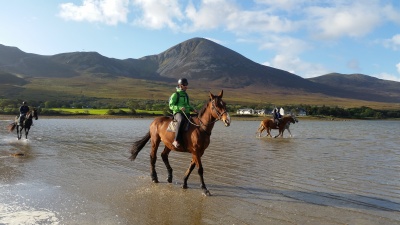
(16, 214)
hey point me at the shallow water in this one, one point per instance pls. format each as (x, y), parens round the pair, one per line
(76, 171)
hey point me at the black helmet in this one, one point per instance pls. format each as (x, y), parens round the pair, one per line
(24, 102)
(183, 81)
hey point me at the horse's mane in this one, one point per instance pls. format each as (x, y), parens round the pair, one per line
(204, 108)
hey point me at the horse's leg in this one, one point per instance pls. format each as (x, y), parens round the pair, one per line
(187, 174)
(290, 133)
(26, 132)
(164, 156)
(280, 133)
(19, 132)
(153, 158)
(200, 171)
(262, 129)
(269, 132)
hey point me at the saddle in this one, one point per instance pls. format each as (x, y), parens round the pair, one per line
(20, 120)
(173, 125)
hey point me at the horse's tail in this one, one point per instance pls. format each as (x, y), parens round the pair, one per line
(138, 145)
(11, 127)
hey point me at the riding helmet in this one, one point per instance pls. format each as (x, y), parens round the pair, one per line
(24, 102)
(183, 81)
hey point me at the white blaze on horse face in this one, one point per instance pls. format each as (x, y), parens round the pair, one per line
(227, 120)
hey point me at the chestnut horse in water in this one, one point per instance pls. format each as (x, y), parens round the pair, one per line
(269, 124)
(26, 124)
(195, 140)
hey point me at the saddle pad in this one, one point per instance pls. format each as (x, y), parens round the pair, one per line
(172, 126)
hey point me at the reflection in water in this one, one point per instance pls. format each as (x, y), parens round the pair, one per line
(77, 171)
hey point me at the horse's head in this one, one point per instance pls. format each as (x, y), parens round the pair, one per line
(218, 108)
(294, 119)
(34, 113)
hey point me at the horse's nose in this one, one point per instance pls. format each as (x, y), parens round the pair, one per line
(227, 120)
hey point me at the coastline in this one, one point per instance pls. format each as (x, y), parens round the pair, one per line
(234, 117)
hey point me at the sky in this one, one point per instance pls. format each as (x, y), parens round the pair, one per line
(306, 37)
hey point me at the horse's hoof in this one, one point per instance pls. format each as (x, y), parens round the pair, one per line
(169, 179)
(207, 193)
(184, 186)
(155, 180)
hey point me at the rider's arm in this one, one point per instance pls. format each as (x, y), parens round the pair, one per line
(173, 103)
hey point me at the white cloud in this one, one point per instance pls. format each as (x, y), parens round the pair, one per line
(286, 5)
(211, 14)
(288, 50)
(386, 76)
(393, 43)
(391, 13)
(398, 67)
(354, 19)
(110, 12)
(284, 44)
(157, 14)
(294, 64)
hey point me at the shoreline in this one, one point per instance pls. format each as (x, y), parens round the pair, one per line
(233, 117)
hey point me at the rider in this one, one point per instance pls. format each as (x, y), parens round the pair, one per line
(180, 106)
(23, 110)
(277, 116)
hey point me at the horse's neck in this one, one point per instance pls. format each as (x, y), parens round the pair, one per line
(207, 121)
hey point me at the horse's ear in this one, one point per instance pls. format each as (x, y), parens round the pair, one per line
(211, 96)
(221, 94)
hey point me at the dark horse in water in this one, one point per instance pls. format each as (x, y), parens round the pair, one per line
(269, 124)
(195, 140)
(25, 125)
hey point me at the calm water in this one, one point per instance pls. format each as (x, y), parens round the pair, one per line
(76, 171)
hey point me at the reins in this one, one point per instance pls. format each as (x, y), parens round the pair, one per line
(201, 122)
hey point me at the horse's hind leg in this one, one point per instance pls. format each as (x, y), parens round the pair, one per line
(260, 130)
(153, 159)
(164, 156)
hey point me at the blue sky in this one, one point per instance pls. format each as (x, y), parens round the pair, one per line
(306, 37)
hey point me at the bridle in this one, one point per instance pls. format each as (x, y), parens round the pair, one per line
(216, 111)
(214, 108)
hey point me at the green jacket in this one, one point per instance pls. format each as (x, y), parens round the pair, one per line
(176, 104)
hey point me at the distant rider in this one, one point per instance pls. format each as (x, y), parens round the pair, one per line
(23, 110)
(180, 106)
(277, 116)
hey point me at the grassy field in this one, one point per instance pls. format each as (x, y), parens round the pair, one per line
(123, 89)
(101, 111)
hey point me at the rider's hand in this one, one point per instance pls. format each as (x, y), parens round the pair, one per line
(183, 109)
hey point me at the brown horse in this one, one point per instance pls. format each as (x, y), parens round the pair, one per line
(195, 140)
(269, 124)
(26, 124)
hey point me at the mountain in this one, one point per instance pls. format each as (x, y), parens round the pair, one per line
(15, 61)
(362, 86)
(202, 59)
(205, 63)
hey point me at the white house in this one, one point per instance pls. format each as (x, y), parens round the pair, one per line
(245, 111)
(260, 111)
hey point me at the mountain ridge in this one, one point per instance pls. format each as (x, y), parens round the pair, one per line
(204, 63)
